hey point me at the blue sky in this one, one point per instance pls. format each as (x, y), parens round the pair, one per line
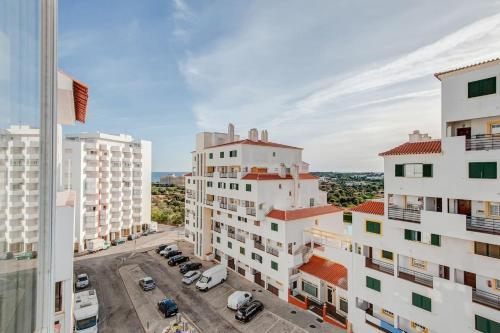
(343, 79)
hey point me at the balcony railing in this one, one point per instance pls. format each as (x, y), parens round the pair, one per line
(209, 174)
(483, 224)
(240, 238)
(232, 174)
(486, 298)
(217, 229)
(209, 203)
(223, 175)
(483, 142)
(251, 211)
(259, 245)
(231, 235)
(414, 276)
(232, 207)
(404, 214)
(379, 266)
(274, 251)
(223, 205)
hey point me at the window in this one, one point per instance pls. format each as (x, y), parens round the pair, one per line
(58, 297)
(427, 170)
(483, 170)
(221, 154)
(435, 240)
(274, 154)
(310, 288)
(373, 283)
(233, 153)
(210, 184)
(311, 202)
(248, 187)
(343, 305)
(387, 255)
(230, 245)
(420, 264)
(256, 257)
(400, 170)
(488, 250)
(218, 239)
(387, 313)
(486, 325)
(274, 226)
(413, 235)
(347, 217)
(233, 186)
(373, 227)
(413, 170)
(221, 185)
(422, 302)
(494, 209)
(274, 265)
(210, 156)
(482, 87)
(242, 250)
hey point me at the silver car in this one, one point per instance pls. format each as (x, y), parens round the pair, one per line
(82, 281)
(191, 276)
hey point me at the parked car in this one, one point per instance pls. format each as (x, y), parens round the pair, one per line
(6, 256)
(169, 248)
(238, 299)
(161, 248)
(147, 283)
(82, 281)
(191, 276)
(176, 260)
(248, 311)
(26, 255)
(168, 307)
(189, 266)
(106, 245)
(133, 236)
(171, 254)
(118, 241)
(146, 232)
(212, 277)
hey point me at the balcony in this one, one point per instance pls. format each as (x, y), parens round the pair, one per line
(217, 229)
(251, 211)
(232, 207)
(381, 325)
(232, 174)
(209, 174)
(404, 214)
(483, 142)
(223, 174)
(483, 224)
(380, 266)
(208, 202)
(416, 277)
(223, 205)
(486, 298)
(231, 235)
(259, 245)
(272, 250)
(240, 238)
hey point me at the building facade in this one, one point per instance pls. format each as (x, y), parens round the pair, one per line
(111, 175)
(430, 263)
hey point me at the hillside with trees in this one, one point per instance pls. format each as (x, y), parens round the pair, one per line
(167, 204)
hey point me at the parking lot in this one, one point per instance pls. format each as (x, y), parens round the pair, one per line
(129, 307)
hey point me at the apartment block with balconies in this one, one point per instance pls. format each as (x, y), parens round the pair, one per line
(111, 175)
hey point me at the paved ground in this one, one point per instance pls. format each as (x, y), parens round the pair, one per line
(207, 310)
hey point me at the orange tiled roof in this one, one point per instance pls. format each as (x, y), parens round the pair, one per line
(255, 143)
(438, 75)
(326, 270)
(370, 207)
(275, 176)
(410, 148)
(81, 96)
(289, 215)
(188, 174)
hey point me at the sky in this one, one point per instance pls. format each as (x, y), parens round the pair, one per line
(343, 79)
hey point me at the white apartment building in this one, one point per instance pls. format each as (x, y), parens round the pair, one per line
(111, 175)
(431, 262)
(253, 205)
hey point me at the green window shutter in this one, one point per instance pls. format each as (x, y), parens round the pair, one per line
(373, 227)
(482, 87)
(475, 170)
(218, 239)
(237, 187)
(211, 156)
(435, 240)
(347, 217)
(400, 170)
(253, 256)
(274, 265)
(248, 187)
(421, 302)
(242, 250)
(387, 255)
(427, 170)
(486, 325)
(230, 245)
(408, 234)
(221, 154)
(372, 283)
(274, 226)
(490, 170)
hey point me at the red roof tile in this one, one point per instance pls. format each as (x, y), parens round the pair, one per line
(326, 270)
(410, 148)
(438, 75)
(188, 174)
(81, 97)
(370, 207)
(255, 143)
(275, 176)
(289, 215)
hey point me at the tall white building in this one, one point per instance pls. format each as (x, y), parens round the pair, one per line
(111, 175)
(253, 205)
(431, 262)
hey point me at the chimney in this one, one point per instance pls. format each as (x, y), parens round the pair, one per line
(416, 136)
(230, 132)
(264, 136)
(253, 134)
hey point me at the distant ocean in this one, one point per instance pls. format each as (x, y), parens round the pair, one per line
(155, 176)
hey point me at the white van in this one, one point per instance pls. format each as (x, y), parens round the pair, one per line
(169, 248)
(238, 298)
(95, 245)
(86, 312)
(212, 277)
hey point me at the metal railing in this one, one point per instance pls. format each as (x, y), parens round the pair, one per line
(483, 224)
(274, 251)
(223, 175)
(209, 174)
(232, 174)
(209, 203)
(232, 207)
(483, 142)
(217, 229)
(379, 266)
(404, 214)
(486, 298)
(259, 245)
(414, 276)
(240, 238)
(251, 211)
(231, 235)
(223, 205)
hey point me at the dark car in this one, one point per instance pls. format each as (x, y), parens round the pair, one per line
(175, 260)
(247, 311)
(189, 266)
(161, 248)
(171, 254)
(168, 307)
